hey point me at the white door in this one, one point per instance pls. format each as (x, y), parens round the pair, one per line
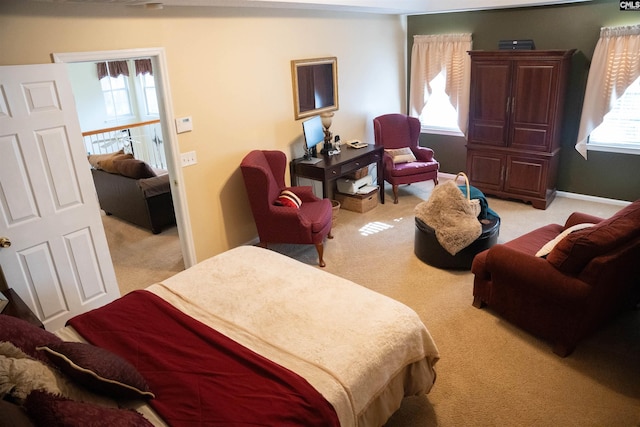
(58, 260)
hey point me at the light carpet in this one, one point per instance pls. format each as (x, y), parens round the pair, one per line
(491, 373)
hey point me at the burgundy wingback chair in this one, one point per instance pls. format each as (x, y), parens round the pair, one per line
(394, 131)
(263, 173)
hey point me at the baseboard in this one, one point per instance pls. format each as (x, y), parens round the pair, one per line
(565, 194)
(596, 199)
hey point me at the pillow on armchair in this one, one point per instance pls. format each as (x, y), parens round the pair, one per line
(401, 155)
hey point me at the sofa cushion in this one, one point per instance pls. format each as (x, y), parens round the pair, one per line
(575, 251)
(95, 158)
(133, 168)
(108, 164)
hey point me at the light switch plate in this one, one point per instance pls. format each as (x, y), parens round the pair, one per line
(188, 158)
(184, 124)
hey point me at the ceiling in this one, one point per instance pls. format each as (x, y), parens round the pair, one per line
(394, 7)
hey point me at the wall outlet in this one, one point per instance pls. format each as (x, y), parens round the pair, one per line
(188, 158)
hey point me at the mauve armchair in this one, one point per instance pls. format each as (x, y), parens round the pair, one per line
(263, 172)
(396, 131)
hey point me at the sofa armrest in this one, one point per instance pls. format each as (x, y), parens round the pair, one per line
(532, 274)
(581, 218)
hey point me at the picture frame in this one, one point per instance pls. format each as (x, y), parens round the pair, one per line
(315, 86)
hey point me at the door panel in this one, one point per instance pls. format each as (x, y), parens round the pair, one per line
(59, 261)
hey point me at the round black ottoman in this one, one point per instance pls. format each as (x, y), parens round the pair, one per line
(428, 249)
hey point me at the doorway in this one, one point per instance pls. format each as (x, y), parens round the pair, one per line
(171, 150)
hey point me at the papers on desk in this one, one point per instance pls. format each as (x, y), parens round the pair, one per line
(311, 161)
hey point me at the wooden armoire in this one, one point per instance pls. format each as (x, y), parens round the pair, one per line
(515, 122)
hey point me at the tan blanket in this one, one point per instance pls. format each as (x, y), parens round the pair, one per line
(363, 351)
(447, 211)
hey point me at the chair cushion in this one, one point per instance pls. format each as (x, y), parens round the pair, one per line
(575, 251)
(414, 168)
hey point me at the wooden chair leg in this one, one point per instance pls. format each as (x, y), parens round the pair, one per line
(477, 302)
(395, 194)
(435, 181)
(320, 249)
(329, 236)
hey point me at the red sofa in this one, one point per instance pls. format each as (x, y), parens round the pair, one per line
(589, 275)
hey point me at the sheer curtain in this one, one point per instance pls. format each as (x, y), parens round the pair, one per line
(430, 55)
(615, 65)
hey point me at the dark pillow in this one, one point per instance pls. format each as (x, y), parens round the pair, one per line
(49, 410)
(575, 251)
(13, 415)
(99, 370)
(133, 168)
(107, 165)
(26, 336)
(289, 199)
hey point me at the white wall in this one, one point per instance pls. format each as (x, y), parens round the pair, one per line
(229, 70)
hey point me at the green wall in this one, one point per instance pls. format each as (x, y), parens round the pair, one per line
(571, 26)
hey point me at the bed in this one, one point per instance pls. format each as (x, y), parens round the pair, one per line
(360, 351)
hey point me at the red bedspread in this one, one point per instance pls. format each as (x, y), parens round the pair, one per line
(199, 376)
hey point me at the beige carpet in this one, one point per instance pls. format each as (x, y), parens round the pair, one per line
(141, 258)
(490, 372)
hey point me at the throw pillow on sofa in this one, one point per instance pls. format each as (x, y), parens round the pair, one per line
(94, 159)
(133, 168)
(107, 165)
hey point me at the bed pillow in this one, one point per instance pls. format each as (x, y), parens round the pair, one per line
(26, 336)
(548, 247)
(133, 168)
(20, 375)
(99, 370)
(289, 199)
(50, 410)
(108, 165)
(401, 155)
(94, 159)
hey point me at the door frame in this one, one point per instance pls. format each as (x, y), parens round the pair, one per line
(172, 152)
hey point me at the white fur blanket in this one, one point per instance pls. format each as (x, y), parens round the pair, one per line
(447, 211)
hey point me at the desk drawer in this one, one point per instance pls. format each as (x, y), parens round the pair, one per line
(355, 165)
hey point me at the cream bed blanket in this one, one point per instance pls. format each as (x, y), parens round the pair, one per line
(363, 351)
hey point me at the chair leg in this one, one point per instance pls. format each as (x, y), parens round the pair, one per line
(329, 236)
(395, 194)
(435, 181)
(320, 249)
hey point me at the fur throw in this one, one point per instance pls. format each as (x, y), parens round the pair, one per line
(447, 211)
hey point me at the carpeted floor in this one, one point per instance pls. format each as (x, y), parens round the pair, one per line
(490, 372)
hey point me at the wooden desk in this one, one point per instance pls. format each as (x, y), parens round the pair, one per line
(339, 165)
(17, 308)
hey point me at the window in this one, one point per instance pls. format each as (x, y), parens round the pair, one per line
(116, 96)
(611, 101)
(440, 79)
(148, 85)
(620, 128)
(438, 115)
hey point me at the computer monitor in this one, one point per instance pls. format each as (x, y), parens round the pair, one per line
(313, 135)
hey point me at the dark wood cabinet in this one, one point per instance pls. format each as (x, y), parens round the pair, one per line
(515, 122)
